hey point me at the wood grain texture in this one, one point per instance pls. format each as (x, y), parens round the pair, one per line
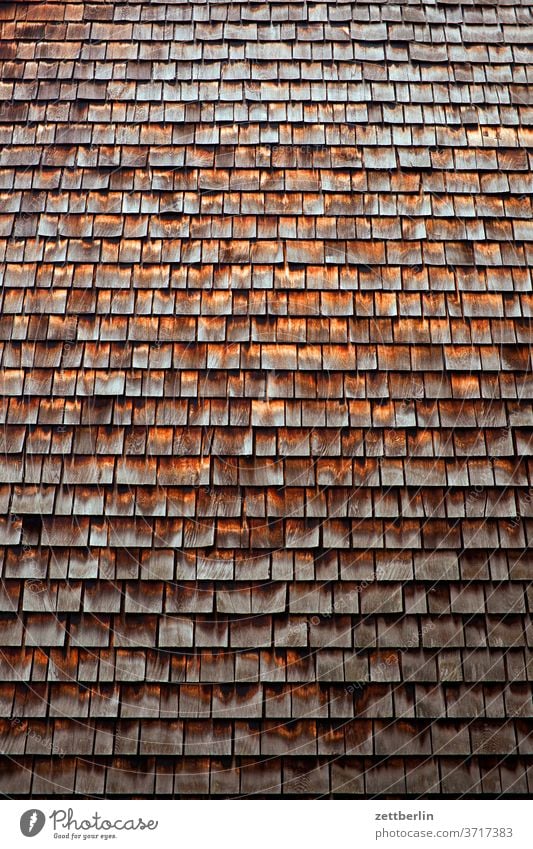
(266, 399)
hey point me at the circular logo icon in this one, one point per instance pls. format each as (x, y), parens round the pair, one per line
(32, 822)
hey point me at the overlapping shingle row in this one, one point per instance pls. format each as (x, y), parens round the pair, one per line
(266, 398)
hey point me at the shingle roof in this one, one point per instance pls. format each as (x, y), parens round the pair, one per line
(266, 398)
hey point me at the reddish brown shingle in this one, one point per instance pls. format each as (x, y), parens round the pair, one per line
(265, 400)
